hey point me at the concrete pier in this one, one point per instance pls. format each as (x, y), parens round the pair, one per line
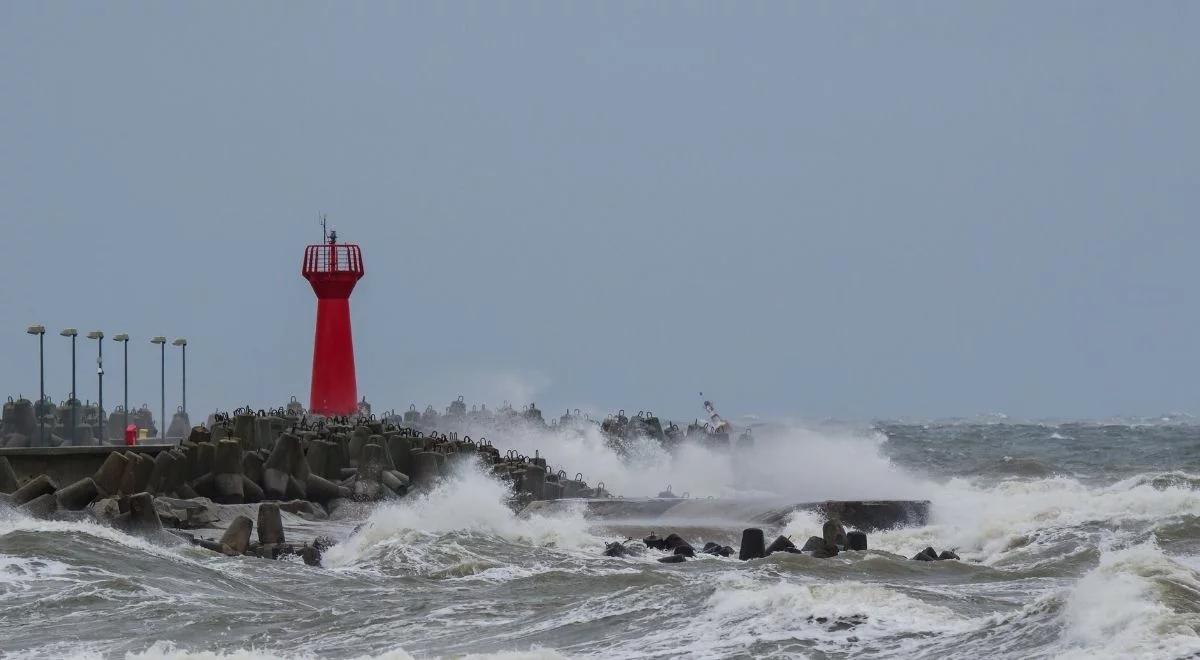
(66, 465)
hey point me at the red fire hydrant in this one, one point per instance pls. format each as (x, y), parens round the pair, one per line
(130, 435)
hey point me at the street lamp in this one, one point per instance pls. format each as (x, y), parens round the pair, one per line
(162, 350)
(101, 432)
(71, 332)
(182, 344)
(124, 339)
(40, 331)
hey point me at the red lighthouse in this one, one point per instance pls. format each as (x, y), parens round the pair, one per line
(333, 269)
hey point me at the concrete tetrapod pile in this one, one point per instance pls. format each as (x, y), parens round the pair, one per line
(309, 469)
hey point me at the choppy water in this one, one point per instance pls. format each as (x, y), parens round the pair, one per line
(1078, 540)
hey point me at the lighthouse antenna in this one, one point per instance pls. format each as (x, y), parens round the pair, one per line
(324, 231)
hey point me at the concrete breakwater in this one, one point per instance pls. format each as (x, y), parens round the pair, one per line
(310, 468)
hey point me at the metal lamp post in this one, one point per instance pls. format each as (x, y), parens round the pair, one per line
(101, 432)
(162, 350)
(40, 331)
(71, 332)
(124, 339)
(182, 344)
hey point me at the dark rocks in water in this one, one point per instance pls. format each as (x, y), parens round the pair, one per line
(78, 495)
(323, 543)
(780, 544)
(856, 540)
(948, 554)
(615, 549)
(236, 539)
(33, 489)
(838, 623)
(674, 541)
(753, 544)
(270, 524)
(825, 551)
(813, 544)
(685, 550)
(833, 534)
(717, 550)
(654, 542)
(142, 514)
(928, 554)
(672, 559)
(311, 554)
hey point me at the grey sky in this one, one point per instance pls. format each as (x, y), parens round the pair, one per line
(852, 209)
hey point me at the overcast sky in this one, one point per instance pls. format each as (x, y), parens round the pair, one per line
(845, 209)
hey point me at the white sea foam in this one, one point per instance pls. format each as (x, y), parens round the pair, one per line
(469, 502)
(1131, 606)
(751, 608)
(1020, 517)
(784, 461)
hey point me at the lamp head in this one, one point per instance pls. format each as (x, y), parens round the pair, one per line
(36, 330)
(158, 340)
(95, 334)
(69, 332)
(121, 337)
(179, 342)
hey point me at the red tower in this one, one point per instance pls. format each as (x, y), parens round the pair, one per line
(333, 269)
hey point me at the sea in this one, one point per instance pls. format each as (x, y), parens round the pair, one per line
(1076, 539)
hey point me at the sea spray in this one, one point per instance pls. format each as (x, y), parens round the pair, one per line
(468, 504)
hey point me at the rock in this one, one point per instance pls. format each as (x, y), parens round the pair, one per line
(251, 492)
(236, 539)
(395, 482)
(425, 469)
(948, 554)
(42, 506)
(186, 514)
(270, 524)
(162, 475)
(252, 466)
(323, 543)
(106, 510)
(813, 544)
(674, 541)
(142, 516)
(825, 552)
(320, 489)
(685, 550)
(33, 489)
(833, 534)
(928, 554)
(753, 544)
(227, 473)
(108, 477)
(856, 540)
(780, 544)
(672, 559)
(311, 555)
(78, 495)
(654, 542)
(615, 549)
(8, 477)
(281, 466)
(303, 508)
